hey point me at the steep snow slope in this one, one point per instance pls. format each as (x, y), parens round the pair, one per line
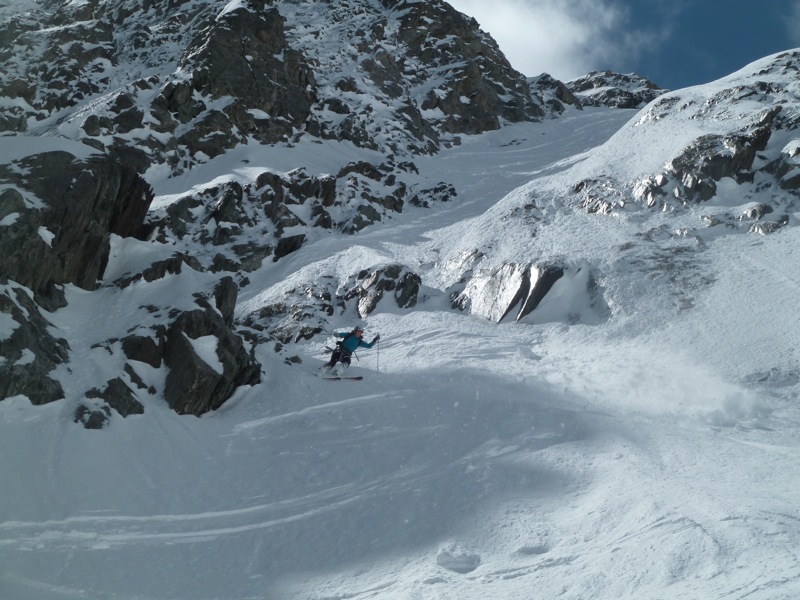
(647, 452)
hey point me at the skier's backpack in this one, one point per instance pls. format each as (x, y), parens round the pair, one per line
(345, 338)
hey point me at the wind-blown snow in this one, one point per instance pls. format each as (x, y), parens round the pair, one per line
(648, 453)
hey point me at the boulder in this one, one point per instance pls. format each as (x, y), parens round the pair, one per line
(144, 349)
(786, 168)
(92, 415)
(287, 245)
(207, 360)
(118, 396)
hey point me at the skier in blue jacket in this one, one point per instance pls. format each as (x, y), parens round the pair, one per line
(344, 349)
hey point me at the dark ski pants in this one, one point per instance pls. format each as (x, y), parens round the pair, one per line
(341, 356)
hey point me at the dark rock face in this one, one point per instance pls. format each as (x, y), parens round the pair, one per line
(401, 47)
(59, 214)
(193, 386)
(144, 349)
(61, 64)
(30, 353)
(370, 290)
(480, 91)
(205, 358)
(207, 361)
(66, 238)
(243, 54)
(119, 397)
(553, 94)
(58, 219)
(247, 72)
(225, 294)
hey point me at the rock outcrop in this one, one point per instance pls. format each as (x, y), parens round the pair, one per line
(57, 216)
(303, 312)
(206, 360)
(258, 71)
(60, 214)
(232, 227)
(241, 57)
(31, 352)
(553, 94)
(510, 290)
(746, 116)
(615, 90)
(372, 286)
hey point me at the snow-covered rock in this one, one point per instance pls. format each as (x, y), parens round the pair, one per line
(553, 94)
(616, 90)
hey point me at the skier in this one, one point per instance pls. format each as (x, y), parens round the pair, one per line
(344, 350)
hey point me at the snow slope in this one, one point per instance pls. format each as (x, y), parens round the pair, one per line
(649, 454)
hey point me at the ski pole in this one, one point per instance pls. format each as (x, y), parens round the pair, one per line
(378, 358)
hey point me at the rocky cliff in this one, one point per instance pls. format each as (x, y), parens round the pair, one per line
(103, 98)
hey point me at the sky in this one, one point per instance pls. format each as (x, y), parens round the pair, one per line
(675, 43)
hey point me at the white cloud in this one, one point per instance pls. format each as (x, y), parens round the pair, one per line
(565, 38)
(793, 22)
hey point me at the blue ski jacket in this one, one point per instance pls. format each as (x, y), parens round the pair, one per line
(350, 343)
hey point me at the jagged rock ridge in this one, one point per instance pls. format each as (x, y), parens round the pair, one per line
(616, 90)
(206, 76)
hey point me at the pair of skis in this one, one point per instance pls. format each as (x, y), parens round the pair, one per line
(333, 377)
